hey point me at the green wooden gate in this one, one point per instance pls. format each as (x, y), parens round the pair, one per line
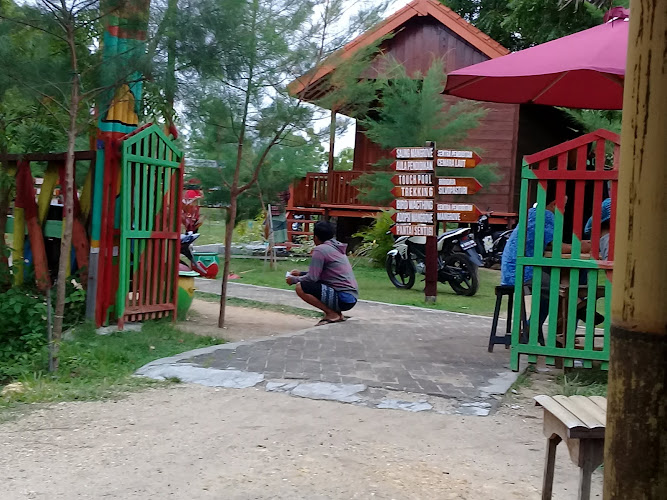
(150, 204)
(580, 173)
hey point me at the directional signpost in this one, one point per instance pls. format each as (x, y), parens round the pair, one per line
(422, 199)
(458, 185)
(457, 212)
(415, 195)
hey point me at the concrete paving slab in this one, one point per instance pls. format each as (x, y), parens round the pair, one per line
(383, 352)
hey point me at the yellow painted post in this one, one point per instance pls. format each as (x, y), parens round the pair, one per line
(636, 436)
(17, 246)
(49, 182)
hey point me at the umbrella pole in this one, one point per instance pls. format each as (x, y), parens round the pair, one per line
(636, 434)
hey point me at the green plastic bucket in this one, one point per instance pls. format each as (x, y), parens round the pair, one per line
(210, 261)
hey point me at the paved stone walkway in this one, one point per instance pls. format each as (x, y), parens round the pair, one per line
(383, 356)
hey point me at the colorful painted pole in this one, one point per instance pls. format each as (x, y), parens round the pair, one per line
(635, 462)
(123, 49)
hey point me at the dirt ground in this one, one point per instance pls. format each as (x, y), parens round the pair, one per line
(192, 442)
(241, 323)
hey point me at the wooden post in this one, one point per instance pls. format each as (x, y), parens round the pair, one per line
(636, 442)
(330, 164)
(431, 285)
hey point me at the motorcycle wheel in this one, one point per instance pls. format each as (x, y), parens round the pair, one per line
(464, 278)
(401, 272)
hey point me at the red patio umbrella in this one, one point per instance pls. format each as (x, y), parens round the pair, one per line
(582, 70)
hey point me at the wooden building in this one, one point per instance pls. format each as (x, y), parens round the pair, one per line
(421, 31)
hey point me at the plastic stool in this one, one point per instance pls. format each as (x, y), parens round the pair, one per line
(502, 291)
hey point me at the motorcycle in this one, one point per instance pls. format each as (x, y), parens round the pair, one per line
(490, 244)
(187, 241)
(457, 261)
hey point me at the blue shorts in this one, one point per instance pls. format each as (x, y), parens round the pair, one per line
(336, 301)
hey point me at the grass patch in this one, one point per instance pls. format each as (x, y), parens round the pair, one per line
(212, 229)
(524, 380)
(255, 304)
(582, 382)
(101, 366)
(375, 285)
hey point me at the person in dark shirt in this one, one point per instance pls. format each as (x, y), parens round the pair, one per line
(329, 283)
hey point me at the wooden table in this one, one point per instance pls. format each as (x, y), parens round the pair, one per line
(579, 421)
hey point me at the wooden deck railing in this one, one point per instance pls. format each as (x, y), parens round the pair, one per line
(313, 190)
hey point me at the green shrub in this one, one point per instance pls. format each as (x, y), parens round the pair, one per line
(23, 327)
(375, 242)
(22, 331)
(249, 231)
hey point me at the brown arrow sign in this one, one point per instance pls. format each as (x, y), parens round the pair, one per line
(413, 217)
(413, 191)
(412, 180)
(457, 185)
(412, 230)
(457, 159)
(412, 204)
(457, 212)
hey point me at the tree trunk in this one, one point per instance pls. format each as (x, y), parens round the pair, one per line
(68, 210)
(636, 436)
(234, 190)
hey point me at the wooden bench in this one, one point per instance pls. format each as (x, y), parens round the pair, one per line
(579, 421)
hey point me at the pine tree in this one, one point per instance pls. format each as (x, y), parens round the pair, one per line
(410, 112)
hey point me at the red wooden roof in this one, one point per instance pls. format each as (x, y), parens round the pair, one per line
(417, 8)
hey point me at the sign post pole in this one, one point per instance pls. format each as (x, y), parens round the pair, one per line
(431, 286)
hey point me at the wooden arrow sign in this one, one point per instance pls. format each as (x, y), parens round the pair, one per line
(412, 179)
(457, 185)
(413, 217)
(457, 159)
(404, 153)
(413, 165)
(413, 191)
(412, 204)
(457, 212)
(413, 230)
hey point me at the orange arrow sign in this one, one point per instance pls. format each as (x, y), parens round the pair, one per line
(457, 185)
(412, 204)
(413, 217)
(407, 153)
(457, 159)
(412, 230)
(457, 212)
(412, 179)
(413, 191)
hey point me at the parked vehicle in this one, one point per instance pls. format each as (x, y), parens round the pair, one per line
(490, 244)
(457, 261)
(187, 241)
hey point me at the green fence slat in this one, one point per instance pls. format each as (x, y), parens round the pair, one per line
(554, 296)
(572, 305)
(591, 302)
(151, 199)
(535, 306)
(517, 324)
(568, 363)
(538, 249)
(145, 225)
(135, 194)
(532, 358)
(550, 360)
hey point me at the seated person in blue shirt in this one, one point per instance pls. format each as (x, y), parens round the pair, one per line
(508, 263)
